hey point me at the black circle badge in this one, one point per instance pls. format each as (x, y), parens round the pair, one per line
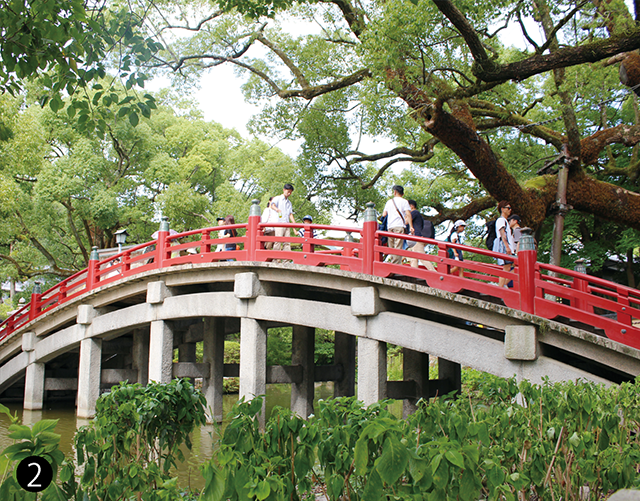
(34, 474)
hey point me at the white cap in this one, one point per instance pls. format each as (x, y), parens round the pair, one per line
(459, 223)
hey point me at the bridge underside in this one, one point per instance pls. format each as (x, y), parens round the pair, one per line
(128, 330)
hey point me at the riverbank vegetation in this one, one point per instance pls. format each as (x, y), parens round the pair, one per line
(500, 440)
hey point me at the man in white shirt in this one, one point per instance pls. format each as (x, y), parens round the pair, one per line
(398, 214)
(282, 205)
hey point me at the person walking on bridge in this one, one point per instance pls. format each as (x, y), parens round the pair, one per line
(504, 239)
(269, 216)
(398, 214)
(282, 205)
(421, 228)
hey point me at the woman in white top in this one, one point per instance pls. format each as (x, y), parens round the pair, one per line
(269, 216)
(504, 239)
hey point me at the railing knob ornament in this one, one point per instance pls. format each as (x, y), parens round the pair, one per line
(527, 242)
(580, 267)
(255, 208)
(164, 223)
(370, 212)
(348, 237)
(94, 254)
(37, 289)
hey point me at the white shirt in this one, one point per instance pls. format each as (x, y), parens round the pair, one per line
(393, 218)
(503, 223)
(269, 216)
(286, 209)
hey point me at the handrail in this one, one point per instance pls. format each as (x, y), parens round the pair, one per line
(534, 288)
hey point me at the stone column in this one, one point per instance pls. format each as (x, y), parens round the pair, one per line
(302, 353)
(34, 387)
(451, 373)
(345, 355)
(34, 377)
(140, 355)
(213, 354)
(89, 372)
(415, 367)
(372, 370)
(187, 352)
(253, 361)
(160, 352)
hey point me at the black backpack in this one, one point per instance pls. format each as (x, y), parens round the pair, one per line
(450, 252)
(491, 234)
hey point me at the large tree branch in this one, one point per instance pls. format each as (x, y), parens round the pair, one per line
(471, 209)
(489, 70)
(353, 16)
(286, 60)
(608, 201)
(592, 146)
(312, 91)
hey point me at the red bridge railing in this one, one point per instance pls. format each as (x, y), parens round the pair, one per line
(547, 291)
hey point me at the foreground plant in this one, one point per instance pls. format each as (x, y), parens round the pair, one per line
(135, 438)
(518, 441)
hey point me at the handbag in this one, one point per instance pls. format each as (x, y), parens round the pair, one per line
(407, 229)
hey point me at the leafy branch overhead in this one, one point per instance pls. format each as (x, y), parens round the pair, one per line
(68, 46)
(442, 73)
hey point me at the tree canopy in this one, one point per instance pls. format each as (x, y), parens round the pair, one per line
(482, 101)
(63, 191)
(445, 82)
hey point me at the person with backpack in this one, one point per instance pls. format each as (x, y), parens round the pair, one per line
(398, 215)
(503, 242)
(456, 236)
(421, 228)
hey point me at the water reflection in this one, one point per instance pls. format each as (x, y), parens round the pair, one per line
(203, 439)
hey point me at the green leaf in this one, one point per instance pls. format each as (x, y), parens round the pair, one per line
(468, 489)
(361, 455)
(441, 475)
(393, 461)
(133, 119)
(263, 489)
(56, 104)
(455, 458)
(20, 432)
(374, 488)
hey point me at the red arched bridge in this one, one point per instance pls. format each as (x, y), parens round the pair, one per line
(541, 289)
(177, 290)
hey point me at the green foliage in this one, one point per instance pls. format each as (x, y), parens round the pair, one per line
(63, 191)
(37, 440)
(135, 439)
(512, 441)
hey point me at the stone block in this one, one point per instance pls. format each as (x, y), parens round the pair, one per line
(86, 314)
(365, 302)
(520, 342)
(29, 340)
(157, 292)
(246, 286)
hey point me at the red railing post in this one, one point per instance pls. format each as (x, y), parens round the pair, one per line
(92, 268)
(347, 251)
(252, 230)
(527, 257)
(34, 306)
(369, 228)
(581, 285)
(623, 298)
(161, 247)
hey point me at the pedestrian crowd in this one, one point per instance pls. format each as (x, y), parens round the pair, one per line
(400, 217)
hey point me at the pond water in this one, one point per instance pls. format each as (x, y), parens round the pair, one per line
(203, 438)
